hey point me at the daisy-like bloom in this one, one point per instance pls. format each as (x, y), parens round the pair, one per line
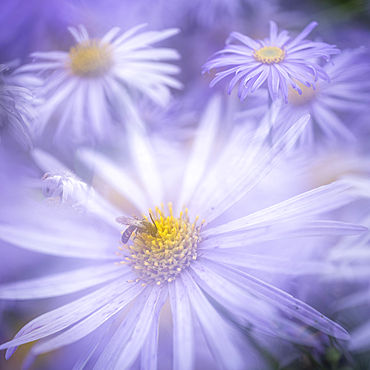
(98, 80)
(332, 106)
(278, 59)
(176, 252)
(15, 117)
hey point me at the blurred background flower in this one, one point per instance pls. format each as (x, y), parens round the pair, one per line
(96, 84)
(278, 60)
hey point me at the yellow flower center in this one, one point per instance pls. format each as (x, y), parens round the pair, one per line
(269, 55)
(308, 94)
(91, 58)
(161, 250)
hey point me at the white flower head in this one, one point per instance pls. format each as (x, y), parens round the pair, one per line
(167, 251)
(98, 80)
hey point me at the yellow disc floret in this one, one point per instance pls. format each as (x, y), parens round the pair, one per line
(161, 256)
(269, 55)
(308, 94)
(91, 58)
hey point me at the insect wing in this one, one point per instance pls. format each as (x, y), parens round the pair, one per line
(128, 221)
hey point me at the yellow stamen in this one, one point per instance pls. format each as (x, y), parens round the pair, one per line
(269, 55)
(308, 94)
(90, 58)
(160, 257)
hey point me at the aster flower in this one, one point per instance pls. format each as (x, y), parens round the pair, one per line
(172, 253)
(15, 117)
(332, 106)
(278, 59)
(98, 80)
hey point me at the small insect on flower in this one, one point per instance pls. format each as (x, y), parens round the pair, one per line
(139, 226)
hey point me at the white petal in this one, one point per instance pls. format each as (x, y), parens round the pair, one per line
(78, 117)
(64, 283)
(240, 186)
(52, 55)
(65, 119)
(311, 202)
(55, 239)
(149, 351)
(65, 91)
(37, 67)
(47, 162)
(221, 338)
(246, 176)
(149, 315)
(156, 54)
(157, 70)
(141, 314)
(267, 263)
(109, 36)
(91, 347)
(250, 309)
(97, 110)
(118, 178)
(280, 299)
(75, 33)
(232, 297)
(92, 322)
(146, 38)
(109, 357)
(204, 138)
(128, 33)
(61, 318)
(228, 166)
(280, 230)
(183, 335)
(83, 32)
(159, 93)
(145, 163)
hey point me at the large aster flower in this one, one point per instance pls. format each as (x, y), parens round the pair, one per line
(98, 80)
(205, 268)
(278, 59)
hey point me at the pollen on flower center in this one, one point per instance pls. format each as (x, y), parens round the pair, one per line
(91, 58)
(161, 250)
(308, 94)
(269, 55)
